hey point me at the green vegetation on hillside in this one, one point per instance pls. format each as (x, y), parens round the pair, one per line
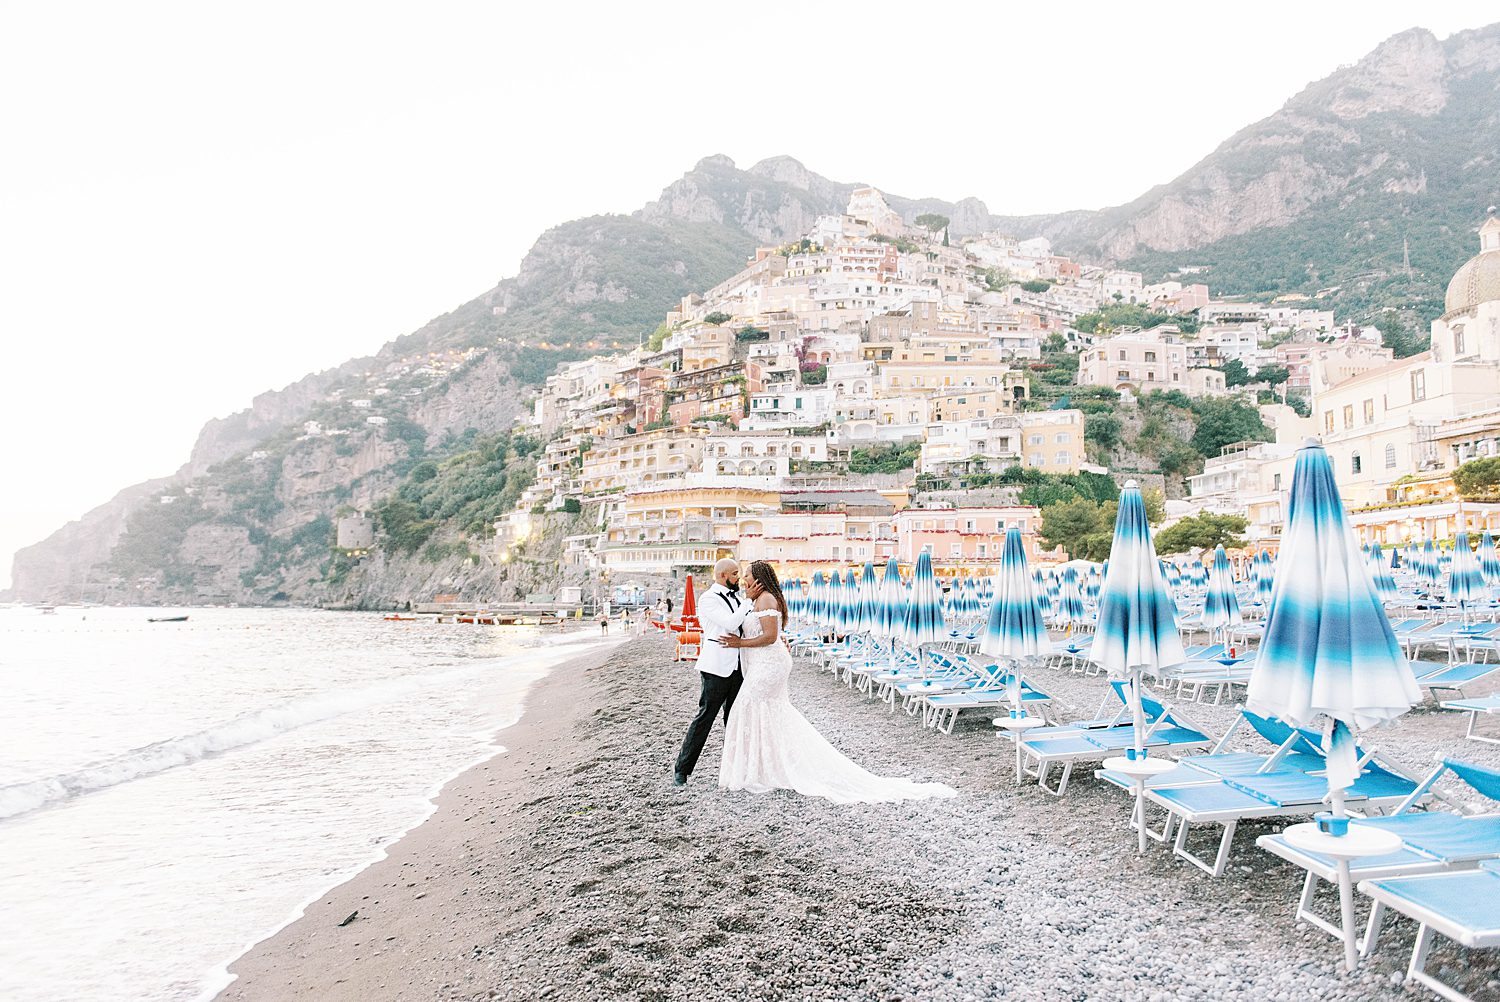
(465, 492)
(1202, 532)
(1085, 528)
(885, 458)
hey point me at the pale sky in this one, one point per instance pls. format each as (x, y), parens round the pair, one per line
(199, 202)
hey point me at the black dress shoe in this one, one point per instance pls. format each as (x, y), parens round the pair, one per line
(679, 779)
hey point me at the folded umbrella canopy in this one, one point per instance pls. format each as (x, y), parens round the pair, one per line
(1014, 628)
(1465, 579)
(1328, 650)
(1489, 561)
(1069, 610)
(1380, 575)
(892, 603)
(817, 600)
(924, 607)
(1221, 606)
(1265, 577)
(1430, 571)
(1137, 626)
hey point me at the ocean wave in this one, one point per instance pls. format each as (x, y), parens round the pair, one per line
(247, 729)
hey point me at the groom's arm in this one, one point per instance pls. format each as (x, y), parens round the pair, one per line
(718, 619)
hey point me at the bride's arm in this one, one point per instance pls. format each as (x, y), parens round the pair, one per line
(770, 627)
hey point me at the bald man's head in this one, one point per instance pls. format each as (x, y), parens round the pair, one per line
(727, 572)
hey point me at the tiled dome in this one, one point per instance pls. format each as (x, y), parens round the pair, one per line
(1478, 281)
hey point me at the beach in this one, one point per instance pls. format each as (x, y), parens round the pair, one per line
(569, 866)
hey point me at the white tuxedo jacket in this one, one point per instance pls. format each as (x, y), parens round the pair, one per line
(719, 612)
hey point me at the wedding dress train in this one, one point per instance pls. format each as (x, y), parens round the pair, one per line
(769, 745)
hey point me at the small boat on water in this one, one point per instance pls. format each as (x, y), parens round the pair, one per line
(394, 618)
(49, 610)
(166, 619)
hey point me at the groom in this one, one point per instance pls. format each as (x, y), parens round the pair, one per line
(721, 610)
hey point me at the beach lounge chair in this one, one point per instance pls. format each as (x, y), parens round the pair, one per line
(1168, 730)
(1463, 906)
(941, 710)
(1484, 705)
(1453, 677)
(1279, 787)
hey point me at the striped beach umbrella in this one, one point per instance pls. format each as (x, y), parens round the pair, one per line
(1489, 561)
(1137, 618)
(891, 607)
(1014, 626)
(1431, 572)
(834, 612)
(1328, 650)
(1221, 606)
(1380, 575)
(1465, 579)
(1265, 577)
(849, 615)
(817, 598)
(1069, 610)
(869, 597)
(924, 607)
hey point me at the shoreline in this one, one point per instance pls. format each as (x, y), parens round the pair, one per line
(222, 978)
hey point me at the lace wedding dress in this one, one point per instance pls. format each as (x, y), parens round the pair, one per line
(769, 745)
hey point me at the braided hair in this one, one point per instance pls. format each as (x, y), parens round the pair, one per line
(765, 575)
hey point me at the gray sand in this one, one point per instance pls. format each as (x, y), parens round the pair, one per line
(571, 868)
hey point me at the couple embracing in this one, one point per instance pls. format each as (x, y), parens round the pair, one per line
(768, 744)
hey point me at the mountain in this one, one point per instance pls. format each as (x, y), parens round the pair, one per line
(250, 517)
(1394, 156)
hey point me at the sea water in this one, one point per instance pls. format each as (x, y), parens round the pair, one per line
(170, 793)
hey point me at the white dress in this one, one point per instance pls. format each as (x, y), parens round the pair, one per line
(769, 745)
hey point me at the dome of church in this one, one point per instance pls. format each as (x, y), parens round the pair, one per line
(1478, 281)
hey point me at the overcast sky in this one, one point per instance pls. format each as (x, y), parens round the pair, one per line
(199, 202)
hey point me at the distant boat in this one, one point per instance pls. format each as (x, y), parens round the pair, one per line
(394, 618)
(166, 619)
(49, 610)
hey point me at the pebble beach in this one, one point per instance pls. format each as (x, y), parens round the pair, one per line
(569, 867)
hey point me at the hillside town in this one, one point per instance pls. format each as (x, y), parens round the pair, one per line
(861, 393)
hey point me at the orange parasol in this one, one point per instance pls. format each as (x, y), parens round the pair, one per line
(689, 603)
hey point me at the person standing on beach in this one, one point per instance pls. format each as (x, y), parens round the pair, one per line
(721, 612)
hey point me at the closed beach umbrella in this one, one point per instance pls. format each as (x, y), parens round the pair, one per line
(1380, 575)
(689, 602)
(1070, 600)
(1465, 579)
(817, 599)
(833, 617)
(1265, 577)
(1014, 627)
(924, 609)
(1431, 571)
(792, 591)
(1137, 627)
(1221, 606)
(892, 603)
(1328, 650)
(1489, 561)
(869, 601)
(849, 621)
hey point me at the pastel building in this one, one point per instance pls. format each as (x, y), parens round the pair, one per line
(968, 539)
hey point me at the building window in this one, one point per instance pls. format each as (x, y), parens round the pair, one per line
(1062, 459)
(1122, 356)
(1390, 457)
(1062, 438)
(1348, 416)
(1418, 385)
(1458, 341)
(1369, 411)
(1123, 374)
(1328, 420)
(1150, 356)
(1037, 439)
(1355, 466)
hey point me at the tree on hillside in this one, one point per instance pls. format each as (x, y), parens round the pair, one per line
(1395, 335)
(1202, 532)
(1102, 431)
(932, 221)
(1156, 505)
(716, 318)
(1478, 478)
(1069, 523)
(1275, 375)
(1235, 373)
(1222, 420)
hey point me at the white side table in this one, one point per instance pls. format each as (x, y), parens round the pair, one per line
(1018, 726)
(1359, 843)
(1139, 770)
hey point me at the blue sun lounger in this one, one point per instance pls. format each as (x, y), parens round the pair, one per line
(1485, 705)
(1168, 730)
(1463, 906)
(1455, 677)
(1431, 842)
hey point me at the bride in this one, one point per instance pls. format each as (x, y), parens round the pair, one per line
(768, 744)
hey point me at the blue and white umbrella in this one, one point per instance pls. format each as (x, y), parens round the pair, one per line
(1221, 606)
(1014, 627)
(1137, 627)
(1430, 571)
(1069, 610)
(891, 609)
(1328, 650)
(1489, 561)
(834, 611)
(1380, 575)
(867, 608)
(817, 603)
(1265, 577)
(1465, 579)
(924, 607)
